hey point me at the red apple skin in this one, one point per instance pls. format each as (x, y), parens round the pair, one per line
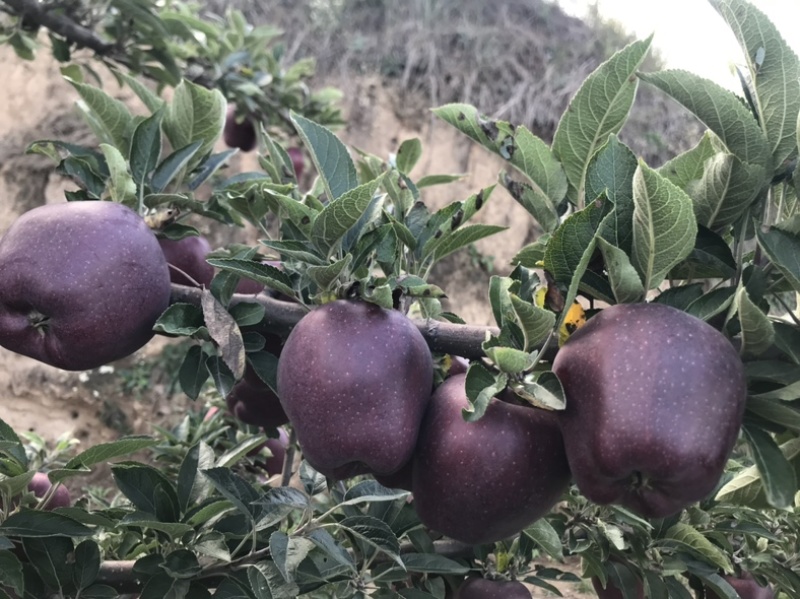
(613, 592)
(189, 256)
(402, 479)
(298, 161)
(253, 402)
(481, 588)
(481, 482)
(655, 401)
(239, 135)
(40, 484)
(746, 586)
(355, 380)
(81, 284)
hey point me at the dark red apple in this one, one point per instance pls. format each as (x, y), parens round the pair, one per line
(40, 485)
(298, 161)
(188, 255)
(239, 133)
(655, 400)
(746, 586)
(613, 592)
(355, 380)
(81, 284)
(481, 482)
(253, 402)
(402, 479)
(277, 446)
(481, 588)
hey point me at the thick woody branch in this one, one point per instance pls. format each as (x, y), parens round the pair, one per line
(457, 339)
(59, 23)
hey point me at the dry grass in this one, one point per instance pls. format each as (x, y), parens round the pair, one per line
(519, 60)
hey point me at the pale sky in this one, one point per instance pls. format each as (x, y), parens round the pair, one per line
(690, 34)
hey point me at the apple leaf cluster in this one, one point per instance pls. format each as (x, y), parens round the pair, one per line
(673, 409)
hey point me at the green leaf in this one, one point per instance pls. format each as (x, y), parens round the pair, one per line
(542, 391)
(193, 373)
(191, 485)
(324, 276)
(775, 71)
(625, 282)
(111, 116)
(339, 215)
(566, 247)
(455, 240)
(777, 474)
(431, 180)
(11, 571)
(235, 489)
(50, 557)
(690, 165)
(36, 523)
(529, 154)
(247, 313)
(145, 149)
(664, 227)
(711, 258)
(712, 303)
(148, 488)
(720, 110)
(600, 107)
(757, 331)
(208, 167)
(690, 537)
(279, 502)
(287, 553)
(408, 155)
(195, 114)
(102, 452)
(87, 564)
(481, 386)
(375, 533)
(747, 488)
(120, 184)
(534, 200)
(269, 276)
(148, 98)
(610, 175)
(330, 157)
(509, 359)
(535, 322)
(545, 536)
(430, 563)
(172, 165)
(531, 255)
(783, 250)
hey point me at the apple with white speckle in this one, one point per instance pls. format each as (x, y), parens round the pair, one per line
(655, 400)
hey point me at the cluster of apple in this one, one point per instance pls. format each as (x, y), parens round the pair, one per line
(655, 397)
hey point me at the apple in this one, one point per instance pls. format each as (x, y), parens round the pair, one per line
(253, 402)
(81, 284)
(655, 400)
(481, 482)
(298, 161)
(238, 134)
(612, 591)
(355, 380)
(481, 588)
(40, 484)
(277, 446)
(746, 586)
(188, 255)
(402, 479)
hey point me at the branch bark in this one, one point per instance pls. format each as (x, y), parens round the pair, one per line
(58, 23)
(457, 339)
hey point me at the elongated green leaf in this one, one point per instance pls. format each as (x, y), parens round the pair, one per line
(120, 184)
(430, 563)
(711, 258)
(323, 276)
(545, 536)
(145, 148)
(757, 331)
(568, 244)
(690, 165)
(339, 215)
(600, 107)
(329, 155)
(689, 536)
(261, 273)
(534, 200)
(455, 240)
(777, 474)
(408, 155)
(148, 97)
(781, 413)
(103, 452)
(111, 115)
(195, 114)
(783, 250)
(481, 387)
(529, 154)
(664, 228)
(610, 175)
(36, 523)
(774, 71)
(535, 322)
(172, 165)
(747, 488)
(375, 533)
(625, 282)
(720, 110)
